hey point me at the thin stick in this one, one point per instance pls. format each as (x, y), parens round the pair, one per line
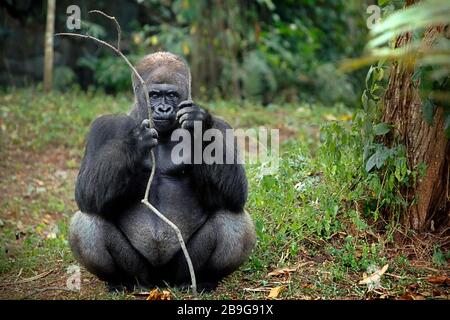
(39, 276)
(48, 289)
(152, 154)
(119, 31)
(142, 82)
(180, 239)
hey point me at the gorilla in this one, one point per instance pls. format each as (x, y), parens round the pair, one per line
(115, 236)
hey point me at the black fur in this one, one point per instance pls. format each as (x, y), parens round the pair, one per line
(122, 241)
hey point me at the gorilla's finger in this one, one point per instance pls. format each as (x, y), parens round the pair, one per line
(198, 115)
(186, 116)
(186, 110)
(145, 124)
(148, 144)
(189, 124)
(185, 103)
(150, 134)
(154, 133)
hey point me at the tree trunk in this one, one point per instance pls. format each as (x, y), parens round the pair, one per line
(48, 59)
(424, 143)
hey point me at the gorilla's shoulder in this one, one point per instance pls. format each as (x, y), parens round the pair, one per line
(116, 121)
(220, 123)
(135, 113)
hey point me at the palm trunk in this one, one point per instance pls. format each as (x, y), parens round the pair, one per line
(48, 59)
(424, 143)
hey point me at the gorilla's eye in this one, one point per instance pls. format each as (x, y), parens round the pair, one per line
(172, 95)
(154, 95)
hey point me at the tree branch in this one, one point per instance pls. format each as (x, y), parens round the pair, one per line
(142, 82)
(119, 30)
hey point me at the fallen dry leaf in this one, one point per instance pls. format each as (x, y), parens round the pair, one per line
(406, 296)
(426, 294)
(308, 286)
(47, 218)
(155, 294)
(281, 272)
(410, 296)
(437, 293)
(444, 280)
(374, 277)
(275, 292)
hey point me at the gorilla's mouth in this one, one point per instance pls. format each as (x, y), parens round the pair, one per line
(161, 120)
(164, 123)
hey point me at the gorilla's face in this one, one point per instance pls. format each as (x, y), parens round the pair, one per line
(164, 99)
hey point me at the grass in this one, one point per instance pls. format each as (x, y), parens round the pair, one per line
(312, 217)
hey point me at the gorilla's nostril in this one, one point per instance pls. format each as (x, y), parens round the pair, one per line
(165, 108)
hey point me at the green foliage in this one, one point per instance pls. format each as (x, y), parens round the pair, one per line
(431, 67)
(314, 209)
(440, 258)
(63, 78)
(266, 50)
(423, 14)
(378, 158)
(110, 71)
(378, 173)
(358, 255)
(387, 174)
(34, 119)
(332, 85)
(302, 200)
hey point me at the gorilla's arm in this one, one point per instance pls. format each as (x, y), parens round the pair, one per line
(222, 186)
(112, 167)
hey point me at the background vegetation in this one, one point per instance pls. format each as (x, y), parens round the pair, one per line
(337, 211)
(237, 49)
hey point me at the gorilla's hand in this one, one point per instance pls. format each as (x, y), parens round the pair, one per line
(189, 112)
(147, 137)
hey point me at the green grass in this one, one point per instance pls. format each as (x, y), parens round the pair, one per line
(314, 213)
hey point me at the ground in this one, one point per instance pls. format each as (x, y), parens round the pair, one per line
(317, 238)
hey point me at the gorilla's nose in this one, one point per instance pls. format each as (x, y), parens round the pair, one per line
(164, 109)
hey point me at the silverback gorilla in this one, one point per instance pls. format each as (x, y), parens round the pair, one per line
(120, 240)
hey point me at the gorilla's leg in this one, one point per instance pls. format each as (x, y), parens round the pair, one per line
(218, 248)
(104, 251)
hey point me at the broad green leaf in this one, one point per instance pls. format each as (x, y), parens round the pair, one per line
(381, 129)
(380, 74)
(371, 163)
(416, 17)
(378, 158)
(423, 14)
(364, 100)
(369, 74)
(372, 106)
